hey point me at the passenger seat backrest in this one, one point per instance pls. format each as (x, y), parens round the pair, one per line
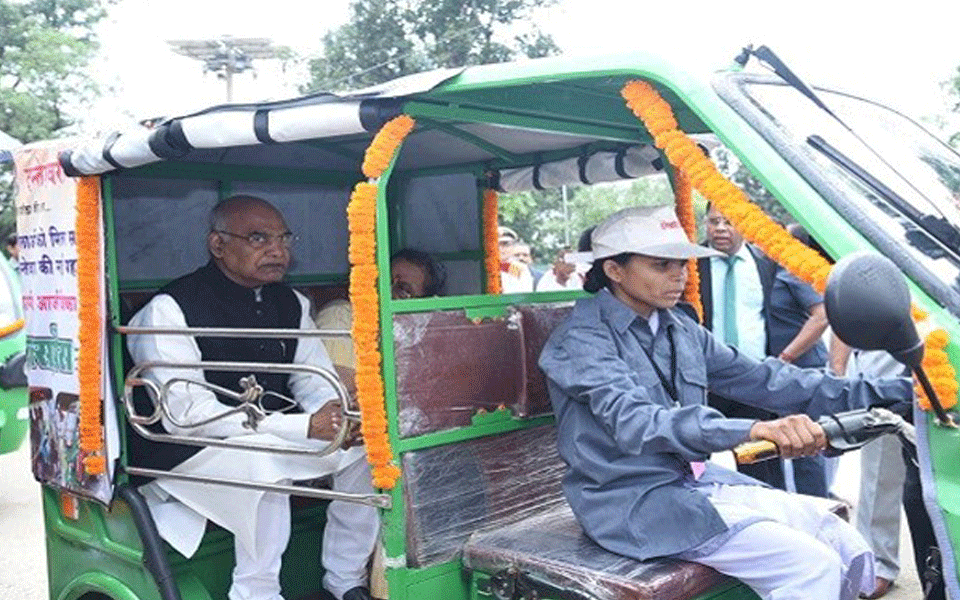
(454, 490)
(537, 323)
(448, 367)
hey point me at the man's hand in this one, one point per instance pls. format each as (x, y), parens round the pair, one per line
(325, 423)
(354, 437)
(795, 435)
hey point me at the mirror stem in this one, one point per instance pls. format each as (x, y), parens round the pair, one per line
(942, 415)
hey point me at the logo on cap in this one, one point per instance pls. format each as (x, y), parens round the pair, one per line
(669, 224)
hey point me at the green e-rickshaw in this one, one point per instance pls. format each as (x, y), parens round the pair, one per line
(477, 511)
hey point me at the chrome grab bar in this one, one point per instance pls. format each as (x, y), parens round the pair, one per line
(232, 333)
(375, 500)
(249, 404)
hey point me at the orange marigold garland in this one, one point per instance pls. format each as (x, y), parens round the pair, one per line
(688, 220)
(385, 144)
(936, 364)
(685, 156)
(362, 220)
(88, 359)
(755, 226)
(491, 242)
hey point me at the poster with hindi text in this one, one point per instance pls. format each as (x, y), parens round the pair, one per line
(46, 235)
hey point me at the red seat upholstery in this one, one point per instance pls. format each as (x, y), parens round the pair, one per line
(551, 547)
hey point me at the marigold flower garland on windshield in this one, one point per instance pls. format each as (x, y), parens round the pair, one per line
(491, 242)
(362, 219)
(756, 227)
(684, 154)
(88, 358)
(688, 220)
(936, 364)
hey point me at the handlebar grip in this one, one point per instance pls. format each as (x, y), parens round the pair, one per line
(755, 451)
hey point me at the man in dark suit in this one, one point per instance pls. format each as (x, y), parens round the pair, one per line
(754, 304)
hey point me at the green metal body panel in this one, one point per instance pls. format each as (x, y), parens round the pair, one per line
(14, 422)
(101, 552)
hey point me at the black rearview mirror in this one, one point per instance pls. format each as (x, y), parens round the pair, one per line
(868, 306)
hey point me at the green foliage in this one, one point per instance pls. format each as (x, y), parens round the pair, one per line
(385, 39)
(539, 218)
(952, 87)
(45, 47)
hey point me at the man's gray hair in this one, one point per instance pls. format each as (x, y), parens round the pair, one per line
(220, 214)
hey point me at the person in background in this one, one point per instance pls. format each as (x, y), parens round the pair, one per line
(13, 252)
(755, 305)
(413, 274)
(515, 275)
(567, 274)
(523, 254)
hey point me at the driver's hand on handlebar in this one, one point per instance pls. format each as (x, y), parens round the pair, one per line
(326, 422)
(794, 435)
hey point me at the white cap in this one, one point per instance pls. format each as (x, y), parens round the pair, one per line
(648, 230)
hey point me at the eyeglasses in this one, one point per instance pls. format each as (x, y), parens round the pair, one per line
(258, 239)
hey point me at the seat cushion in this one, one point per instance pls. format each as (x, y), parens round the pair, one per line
(551, 547)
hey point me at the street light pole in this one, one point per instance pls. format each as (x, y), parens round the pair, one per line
(226, 55)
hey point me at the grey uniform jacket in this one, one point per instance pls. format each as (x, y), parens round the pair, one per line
(628, 445)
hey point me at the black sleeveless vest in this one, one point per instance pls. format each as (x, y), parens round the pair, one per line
(209, 299)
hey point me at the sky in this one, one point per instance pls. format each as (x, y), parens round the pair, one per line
(900, 57)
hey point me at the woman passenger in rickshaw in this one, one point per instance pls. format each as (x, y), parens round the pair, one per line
(628, 374)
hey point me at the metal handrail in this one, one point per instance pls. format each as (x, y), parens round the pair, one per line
(249, 406)
(376, 500)
(229, 332)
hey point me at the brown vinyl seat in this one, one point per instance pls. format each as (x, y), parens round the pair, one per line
(454, 490)
(537, 322)
(449, 367)
(551, 547)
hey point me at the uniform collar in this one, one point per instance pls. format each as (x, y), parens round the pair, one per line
(621, 316)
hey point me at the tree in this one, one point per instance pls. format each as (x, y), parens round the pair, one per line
(952, 86)
(385, 39)
(45, 47)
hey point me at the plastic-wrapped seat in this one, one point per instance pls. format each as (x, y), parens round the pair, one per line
(552, 548)
(537, 322)
(449, 367)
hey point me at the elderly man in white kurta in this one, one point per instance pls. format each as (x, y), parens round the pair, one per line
(249, 244)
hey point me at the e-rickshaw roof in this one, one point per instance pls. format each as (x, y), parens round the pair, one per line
(492, 113)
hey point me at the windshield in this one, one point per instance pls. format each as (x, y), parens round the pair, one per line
(888, 150)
